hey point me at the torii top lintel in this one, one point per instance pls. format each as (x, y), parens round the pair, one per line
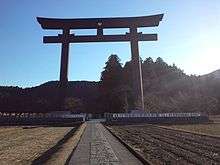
(94, 23)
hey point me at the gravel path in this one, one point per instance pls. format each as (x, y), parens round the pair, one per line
(97, 146)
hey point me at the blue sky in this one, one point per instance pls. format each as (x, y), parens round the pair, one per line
(189, 36)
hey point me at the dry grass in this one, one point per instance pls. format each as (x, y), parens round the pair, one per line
(22, 146)
(60, 157)
(212, 128)
(208, 129)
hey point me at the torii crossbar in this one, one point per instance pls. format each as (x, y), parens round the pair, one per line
(132, 23)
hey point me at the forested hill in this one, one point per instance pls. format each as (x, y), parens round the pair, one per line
(166, 89)
(77, 89)
(44, 97)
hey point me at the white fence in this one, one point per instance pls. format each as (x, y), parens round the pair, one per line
(151, 115)
(155, 118)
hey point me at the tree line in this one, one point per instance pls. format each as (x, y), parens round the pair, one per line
(166, 89)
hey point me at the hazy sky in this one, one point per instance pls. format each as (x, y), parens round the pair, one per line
(189, 36)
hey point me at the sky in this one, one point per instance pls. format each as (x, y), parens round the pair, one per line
(189, 36)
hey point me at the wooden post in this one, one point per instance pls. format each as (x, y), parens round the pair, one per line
(136, 70)
(64, 67)
(64, 59)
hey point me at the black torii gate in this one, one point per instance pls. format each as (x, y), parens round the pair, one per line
(103, 23)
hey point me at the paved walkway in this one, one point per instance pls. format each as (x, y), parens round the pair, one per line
(98, 147)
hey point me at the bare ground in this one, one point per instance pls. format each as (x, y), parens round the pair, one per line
(19, 145)
(166, 146)
(63, 155)
(206, 129)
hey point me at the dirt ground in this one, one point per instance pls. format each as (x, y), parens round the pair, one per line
(21, 145)
(212, 128)
(166, 146)
(215, 118)
(208, 129)
(61, 156)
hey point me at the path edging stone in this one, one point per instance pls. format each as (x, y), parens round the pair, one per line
(78, 136)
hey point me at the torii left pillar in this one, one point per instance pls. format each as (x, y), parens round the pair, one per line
(64, 67)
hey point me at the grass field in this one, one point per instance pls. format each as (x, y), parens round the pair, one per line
(20, 145)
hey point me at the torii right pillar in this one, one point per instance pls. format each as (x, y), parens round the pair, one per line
(137, 83)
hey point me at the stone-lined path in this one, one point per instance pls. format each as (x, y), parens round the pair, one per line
(98, 147)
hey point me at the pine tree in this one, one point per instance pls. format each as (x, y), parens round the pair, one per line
(111, 85)
(149, 60)
(111, 76)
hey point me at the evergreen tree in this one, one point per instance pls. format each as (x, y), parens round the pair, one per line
(149, 60)
(159, 60)
(111, 76)
(111, 85)
(147, 69)
(127, 84)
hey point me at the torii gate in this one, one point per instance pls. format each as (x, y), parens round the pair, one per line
(103, 23)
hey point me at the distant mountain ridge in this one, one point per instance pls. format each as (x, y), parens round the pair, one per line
(214, 74)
